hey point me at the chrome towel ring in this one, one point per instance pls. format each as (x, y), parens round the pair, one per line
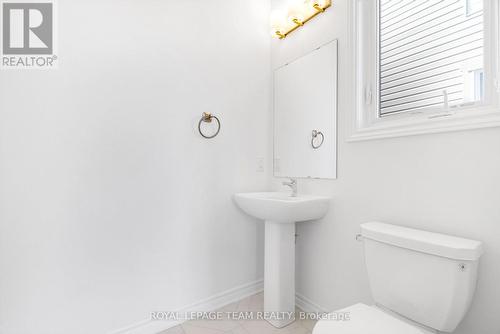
(207, 118)
(316, 134)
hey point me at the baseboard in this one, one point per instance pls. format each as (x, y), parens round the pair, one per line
(306, 305)
(213, 303)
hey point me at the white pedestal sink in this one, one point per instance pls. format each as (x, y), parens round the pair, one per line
(280, 212)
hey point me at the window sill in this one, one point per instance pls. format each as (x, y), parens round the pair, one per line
(426, 125)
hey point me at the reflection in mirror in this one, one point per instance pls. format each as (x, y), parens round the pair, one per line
(305, 116)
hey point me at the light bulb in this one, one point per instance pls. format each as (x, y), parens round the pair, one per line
(317, 4)
(297, 12)
(309, 7)
(323, 3)
(278, 19)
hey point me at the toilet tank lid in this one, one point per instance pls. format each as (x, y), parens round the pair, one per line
(427, 242)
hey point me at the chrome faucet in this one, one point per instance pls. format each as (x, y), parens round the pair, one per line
(293, 185)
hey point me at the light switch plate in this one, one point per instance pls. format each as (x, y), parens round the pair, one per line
(260, 165)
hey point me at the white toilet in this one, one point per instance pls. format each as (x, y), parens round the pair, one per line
(421, 282)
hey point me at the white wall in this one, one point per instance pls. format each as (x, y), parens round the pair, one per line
(448, 183)
(111, 205)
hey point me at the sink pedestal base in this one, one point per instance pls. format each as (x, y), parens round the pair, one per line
(279, 273)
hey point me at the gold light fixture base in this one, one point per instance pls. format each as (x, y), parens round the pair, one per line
(298, 23)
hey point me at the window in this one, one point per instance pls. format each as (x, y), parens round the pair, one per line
(427, 50)
(423, 60)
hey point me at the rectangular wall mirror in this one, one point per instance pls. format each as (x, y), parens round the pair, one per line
(305, 116)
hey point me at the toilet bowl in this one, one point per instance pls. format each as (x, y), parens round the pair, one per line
(364, 319)
(421, 282)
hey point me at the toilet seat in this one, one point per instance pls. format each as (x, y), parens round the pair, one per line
(364, 319)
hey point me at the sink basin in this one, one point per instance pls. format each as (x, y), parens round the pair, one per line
(280, 211)
(281, 207)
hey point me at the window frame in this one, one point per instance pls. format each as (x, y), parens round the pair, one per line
(368, 124)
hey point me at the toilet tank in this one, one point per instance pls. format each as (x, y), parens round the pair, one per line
(427, 277)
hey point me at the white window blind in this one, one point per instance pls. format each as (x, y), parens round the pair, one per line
(431, 54)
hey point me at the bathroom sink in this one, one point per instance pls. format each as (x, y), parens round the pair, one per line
(281, 207)
(280, 211)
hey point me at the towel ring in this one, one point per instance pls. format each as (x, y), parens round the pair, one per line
(315, 134)
(207, 118)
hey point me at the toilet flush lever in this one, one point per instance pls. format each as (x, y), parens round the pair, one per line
(359, 237)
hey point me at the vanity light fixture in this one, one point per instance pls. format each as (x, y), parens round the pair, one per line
(283, 23)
